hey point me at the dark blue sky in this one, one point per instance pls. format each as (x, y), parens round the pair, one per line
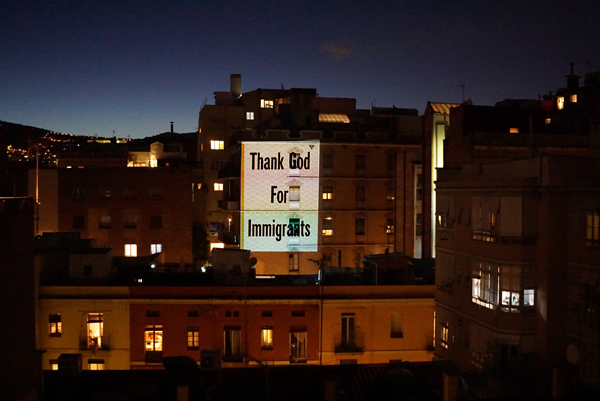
(91, 67)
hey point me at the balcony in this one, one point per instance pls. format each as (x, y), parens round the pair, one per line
(154, 357)
(233, 357)
(350, 344)
(101, 343)
(228, 238)
(229, 204)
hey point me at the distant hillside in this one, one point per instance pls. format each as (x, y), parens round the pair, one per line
(18, 135)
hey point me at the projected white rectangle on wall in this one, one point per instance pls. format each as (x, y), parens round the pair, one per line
(280, 196)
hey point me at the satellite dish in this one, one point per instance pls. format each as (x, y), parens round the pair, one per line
(572, 354)
(253, 261)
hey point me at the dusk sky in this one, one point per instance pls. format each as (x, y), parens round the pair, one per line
(94, 67)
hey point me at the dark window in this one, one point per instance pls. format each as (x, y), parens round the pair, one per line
(327, 161)
(78, 193)
(297, 313)
(361, 162)
(391, 162)
(295, 223)
(78, 221)
(327, 259)
(267, 313)
(130, 193)
(155, 221)
(228, 313)
(233, 343)
(104, 193)
(156, 193)
(359, 226)
(152, 313)
(360, 194)
(87, 270)
(104, 222)
(193, 313)
(236, 313)
(130, 221)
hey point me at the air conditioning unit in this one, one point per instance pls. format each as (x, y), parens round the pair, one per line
(210, 359)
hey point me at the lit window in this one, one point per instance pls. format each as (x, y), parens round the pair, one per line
(485, 284)
(153, 337)
(131, 250)
(266, 104)
(193, 336)
(104, 222)
(444, 339)
(217, 145)
(514, 130)
(328, 193)
(95, 331)
(155, 248)
(233, 343)
(218, 186)
(333, 118)
(96, 364)
(327, 228)
(249, 115)
(53, 364)
(528, 297)
(55, 325)
(548, 121)
(573, 98)
(593, 230)
(560, 102)
(293, 261)
(266, 338)
(389, 225)
(298, 346)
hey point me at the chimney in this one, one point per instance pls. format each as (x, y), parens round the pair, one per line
(235, 84)
(171, 127)
(572, 79)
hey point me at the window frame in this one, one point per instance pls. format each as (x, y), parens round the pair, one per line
(266, 338)
(131, 250)
(193, 338)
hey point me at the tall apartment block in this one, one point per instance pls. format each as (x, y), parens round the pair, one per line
(369, 173)
(517, 242)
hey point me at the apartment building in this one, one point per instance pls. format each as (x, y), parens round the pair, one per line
(515, 246)
(369, 172)
(134, 211)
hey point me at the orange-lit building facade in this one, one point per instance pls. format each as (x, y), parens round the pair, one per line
(369, 174)
(134, 211)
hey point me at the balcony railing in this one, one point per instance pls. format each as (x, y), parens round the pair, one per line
(153, 356)
(101, 343)
(229, 204)
(355, 343)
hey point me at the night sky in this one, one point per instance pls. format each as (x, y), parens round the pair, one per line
(94, 67)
